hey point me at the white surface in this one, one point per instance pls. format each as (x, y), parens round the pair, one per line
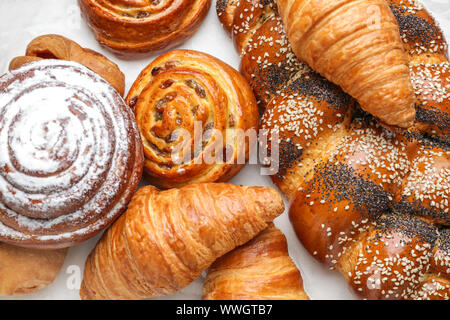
(23, 20)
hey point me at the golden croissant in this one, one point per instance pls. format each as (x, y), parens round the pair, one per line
(355, 44)
(259, 270)
(166, 239)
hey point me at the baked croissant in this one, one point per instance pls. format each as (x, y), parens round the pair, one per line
(258, 270)
(53, 46)
(356, 45)
(166, 239)
(70, 154)
(365, 201)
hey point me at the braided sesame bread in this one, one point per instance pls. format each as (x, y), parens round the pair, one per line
(365, 201)
(182, 96)
(138, 28)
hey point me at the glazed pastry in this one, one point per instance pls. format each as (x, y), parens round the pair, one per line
(259, 270)
(166, 239)
(25, 271)
(367, 202)
(138, 28)
(429, 67)
(356, 45)
(192, 111)
(54, 46)
(70, 157)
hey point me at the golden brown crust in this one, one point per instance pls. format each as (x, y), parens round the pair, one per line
(357, 45)
(423, 38)
(307, 118)
(433, 288)
(226, 12)
(371, 267)
(75, 156)
(365, 201)
(268, 62)
(259, 270)
(429, 67)
(25, 271)
(52, 46)
(358, 212)
(431, 84)
(188, 92)
(167, 238)
(133, 29)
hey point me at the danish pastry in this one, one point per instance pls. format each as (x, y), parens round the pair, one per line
(24, 271)
(197, 117)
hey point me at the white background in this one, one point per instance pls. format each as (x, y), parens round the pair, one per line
(23, 20)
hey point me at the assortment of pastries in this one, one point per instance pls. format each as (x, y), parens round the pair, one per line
(354, 96)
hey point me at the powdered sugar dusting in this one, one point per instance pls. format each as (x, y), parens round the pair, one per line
(65, 151)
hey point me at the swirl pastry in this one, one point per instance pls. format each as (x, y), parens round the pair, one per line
(52, 46)
(70, 155)
(133, 28)
(368, 202)
(195, 105)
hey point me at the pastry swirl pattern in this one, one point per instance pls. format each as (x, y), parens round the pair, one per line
(189, 108)
(70, 155)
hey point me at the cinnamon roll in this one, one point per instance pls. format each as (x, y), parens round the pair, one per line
(70, 156)
(197, 117)
(24, 271)
(365, 201)
(133, 28)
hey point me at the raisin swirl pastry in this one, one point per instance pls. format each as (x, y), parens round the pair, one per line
(195, 105)
(365, 201)
(70, 157)
(53, 46)
(134, 28)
